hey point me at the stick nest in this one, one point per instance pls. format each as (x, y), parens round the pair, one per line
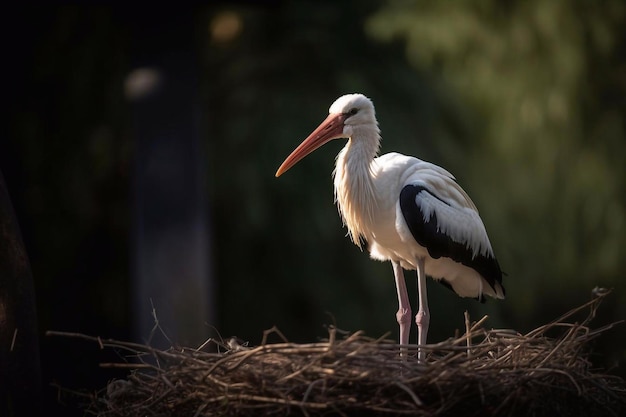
(484, 372)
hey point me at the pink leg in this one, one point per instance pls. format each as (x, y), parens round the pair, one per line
(403, 316)
(422, 319)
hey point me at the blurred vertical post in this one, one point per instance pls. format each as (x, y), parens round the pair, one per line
(20, 372)
(171, 256)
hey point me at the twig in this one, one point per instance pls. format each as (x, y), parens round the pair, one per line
(468, 334)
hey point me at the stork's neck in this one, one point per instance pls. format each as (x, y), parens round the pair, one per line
(354, 181)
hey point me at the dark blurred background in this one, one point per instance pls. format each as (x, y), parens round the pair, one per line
(141, 143)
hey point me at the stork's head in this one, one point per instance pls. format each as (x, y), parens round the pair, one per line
(346, 115)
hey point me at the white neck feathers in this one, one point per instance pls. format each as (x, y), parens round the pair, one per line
(354, 186)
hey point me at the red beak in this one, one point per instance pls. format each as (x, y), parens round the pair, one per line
(331, 128)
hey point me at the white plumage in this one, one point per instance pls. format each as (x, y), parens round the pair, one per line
(410, 212)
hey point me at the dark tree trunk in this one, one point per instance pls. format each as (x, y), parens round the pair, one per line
(20, 373)
(171, 240)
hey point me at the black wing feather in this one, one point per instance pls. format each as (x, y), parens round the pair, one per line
(438, 244)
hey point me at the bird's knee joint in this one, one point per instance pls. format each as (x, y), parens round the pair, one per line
(403, 315)
(422, 318)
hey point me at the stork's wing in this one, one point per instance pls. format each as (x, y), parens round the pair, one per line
(450, 228)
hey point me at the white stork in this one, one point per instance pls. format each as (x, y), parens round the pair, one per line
(407, 211)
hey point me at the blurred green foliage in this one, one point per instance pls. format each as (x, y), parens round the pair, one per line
(524, 102)
(544, 84)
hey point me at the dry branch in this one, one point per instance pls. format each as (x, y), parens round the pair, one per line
(483, 372)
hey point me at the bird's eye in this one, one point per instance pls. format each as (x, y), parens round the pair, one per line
(353, 111)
